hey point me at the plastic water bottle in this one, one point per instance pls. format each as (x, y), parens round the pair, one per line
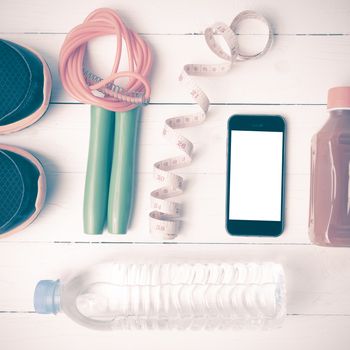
(167, 296)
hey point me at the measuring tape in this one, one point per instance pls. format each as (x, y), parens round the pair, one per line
(165, 214)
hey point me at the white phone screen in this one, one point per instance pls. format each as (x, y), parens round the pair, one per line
(256, 175)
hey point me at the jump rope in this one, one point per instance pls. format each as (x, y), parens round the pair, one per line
(115, 114)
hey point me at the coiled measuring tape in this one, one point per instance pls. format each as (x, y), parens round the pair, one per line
(165, 214)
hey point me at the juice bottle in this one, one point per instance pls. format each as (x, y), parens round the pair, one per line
(329, 220)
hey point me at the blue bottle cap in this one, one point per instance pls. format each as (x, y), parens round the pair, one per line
(46, 297)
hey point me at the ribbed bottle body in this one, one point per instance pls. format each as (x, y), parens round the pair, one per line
(176, 296)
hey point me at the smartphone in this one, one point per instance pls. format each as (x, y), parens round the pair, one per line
(255, 175)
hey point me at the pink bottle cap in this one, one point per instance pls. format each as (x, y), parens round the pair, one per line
(339, 98)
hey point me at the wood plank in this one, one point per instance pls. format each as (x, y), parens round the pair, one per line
(60, 140)
(61, 219)
(287, 17)
(314, 63)
(54, 138)
(56, 332)
(318, 279)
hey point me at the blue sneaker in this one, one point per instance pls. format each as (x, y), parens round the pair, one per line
(25, 87)
(22, 189)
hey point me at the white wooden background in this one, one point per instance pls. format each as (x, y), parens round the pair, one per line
(311, 53)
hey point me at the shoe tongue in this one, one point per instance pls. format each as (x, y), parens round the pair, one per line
(15, 79)
(11, 190)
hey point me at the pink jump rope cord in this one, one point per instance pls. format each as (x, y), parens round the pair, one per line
(98, 23)
(110, 175)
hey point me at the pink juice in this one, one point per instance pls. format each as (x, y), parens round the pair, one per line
(329, 221)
